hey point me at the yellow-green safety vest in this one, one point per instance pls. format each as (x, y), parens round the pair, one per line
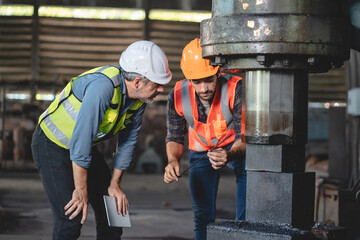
(58, 121)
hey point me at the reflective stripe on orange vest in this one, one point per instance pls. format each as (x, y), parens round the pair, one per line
(219, 124)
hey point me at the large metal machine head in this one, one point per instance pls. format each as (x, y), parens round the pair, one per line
(306, 35)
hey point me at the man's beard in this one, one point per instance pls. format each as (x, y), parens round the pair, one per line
(145, 100)
(211, 95)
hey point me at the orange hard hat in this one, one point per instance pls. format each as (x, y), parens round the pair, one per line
(193, 65)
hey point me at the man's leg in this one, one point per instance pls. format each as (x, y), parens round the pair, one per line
(55, 169)
(99, 176)
(203, 182)
(239, 169)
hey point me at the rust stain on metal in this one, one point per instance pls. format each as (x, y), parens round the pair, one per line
(267, 31)
(257, 32)
(251, 24)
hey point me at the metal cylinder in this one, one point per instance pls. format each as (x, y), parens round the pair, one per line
(276, 107)
(264, 34)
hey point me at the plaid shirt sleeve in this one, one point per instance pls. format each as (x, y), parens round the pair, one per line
(237, 110)
(176, 124)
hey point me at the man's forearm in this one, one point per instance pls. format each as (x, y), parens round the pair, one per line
(116, 177)
(237, 151)
(174, 151)
(80, 176)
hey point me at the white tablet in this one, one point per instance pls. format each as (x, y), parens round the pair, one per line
(115, 219)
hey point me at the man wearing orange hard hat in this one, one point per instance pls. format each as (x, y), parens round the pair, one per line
(207, 105)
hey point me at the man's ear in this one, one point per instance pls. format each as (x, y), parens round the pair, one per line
(137, 82)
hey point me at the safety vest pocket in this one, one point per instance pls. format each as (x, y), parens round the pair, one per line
(220, 128)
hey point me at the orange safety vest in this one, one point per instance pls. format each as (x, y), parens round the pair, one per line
(219, 123)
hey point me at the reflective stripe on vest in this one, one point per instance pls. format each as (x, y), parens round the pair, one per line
(203, 136)
(58, 121)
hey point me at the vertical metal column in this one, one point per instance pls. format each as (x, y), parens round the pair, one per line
(147, 7)
(3, 108)
(353, 81)
(35, 51)
(278, 190)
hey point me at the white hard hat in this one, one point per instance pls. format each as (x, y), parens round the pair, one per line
(147, 59)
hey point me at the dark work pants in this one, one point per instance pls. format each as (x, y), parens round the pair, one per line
(203, 182)
(55, 169)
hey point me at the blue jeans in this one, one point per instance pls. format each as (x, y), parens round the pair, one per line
(55, 169)
(204, 181)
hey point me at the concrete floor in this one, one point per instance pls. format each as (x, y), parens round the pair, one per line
(158, 211)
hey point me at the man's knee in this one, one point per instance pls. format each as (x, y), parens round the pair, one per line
(66, 229)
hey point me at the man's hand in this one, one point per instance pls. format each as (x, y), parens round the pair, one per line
(115, 190)
(78, 203)
(218, 158)
(121, 200)
(174, 152)
(172, 172)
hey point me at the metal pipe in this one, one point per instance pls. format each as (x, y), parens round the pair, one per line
(3, 109)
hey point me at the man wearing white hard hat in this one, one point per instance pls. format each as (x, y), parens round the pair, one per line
(95, 106)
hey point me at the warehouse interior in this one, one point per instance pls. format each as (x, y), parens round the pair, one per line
(43, 44)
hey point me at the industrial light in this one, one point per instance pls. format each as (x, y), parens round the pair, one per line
(92, 13)
(105, 13)
(18, 96)
(44, 97)
(178, 15)
(16, 10)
